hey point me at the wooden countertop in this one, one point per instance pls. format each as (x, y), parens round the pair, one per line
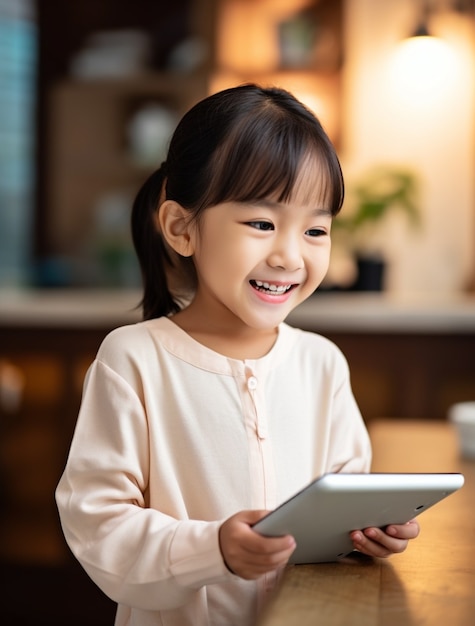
(324, 312)
(82, 308)
(384, 312)
(431, 583)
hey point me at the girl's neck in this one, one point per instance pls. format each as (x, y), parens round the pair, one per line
(239, 343)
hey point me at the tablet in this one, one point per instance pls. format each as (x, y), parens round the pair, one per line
(321, 516)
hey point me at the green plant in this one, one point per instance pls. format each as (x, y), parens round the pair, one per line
(380, 193)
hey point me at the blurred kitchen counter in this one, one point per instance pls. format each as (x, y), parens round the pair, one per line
(82, 308)
(376, 313)
(335, 312)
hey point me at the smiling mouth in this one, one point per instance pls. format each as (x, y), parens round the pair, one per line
(271, 288)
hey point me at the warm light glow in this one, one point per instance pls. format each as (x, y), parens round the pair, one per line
(423, 67)
(247, 39)
(319, 94)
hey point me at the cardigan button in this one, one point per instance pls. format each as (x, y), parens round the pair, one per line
(252, 383)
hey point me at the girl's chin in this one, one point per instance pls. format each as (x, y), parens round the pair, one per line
(265, 323)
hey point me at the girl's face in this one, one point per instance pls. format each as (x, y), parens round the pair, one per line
(257, 261)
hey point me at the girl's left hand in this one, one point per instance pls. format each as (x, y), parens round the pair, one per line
(384, 542)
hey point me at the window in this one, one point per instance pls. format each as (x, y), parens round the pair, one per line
(18, 39)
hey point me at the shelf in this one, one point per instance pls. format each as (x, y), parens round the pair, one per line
(174, 85)
(91, 149)
(251, 47)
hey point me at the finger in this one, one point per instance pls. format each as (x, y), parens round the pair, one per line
(267, 550)
(260, 544)
(267, 564)
(404, 531)
(366, 546)
(251, 566)
(375, 542)
(251, 562)
(381, 538)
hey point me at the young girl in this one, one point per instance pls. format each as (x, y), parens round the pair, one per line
(197, 420)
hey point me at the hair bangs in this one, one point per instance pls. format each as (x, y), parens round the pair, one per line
(263, 158)
(319, 181)
(258, 159)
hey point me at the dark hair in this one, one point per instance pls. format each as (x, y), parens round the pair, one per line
(241, 144)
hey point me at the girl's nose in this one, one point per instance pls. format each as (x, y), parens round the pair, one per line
(286, 254)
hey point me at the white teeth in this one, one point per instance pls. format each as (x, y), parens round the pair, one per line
(276, 288)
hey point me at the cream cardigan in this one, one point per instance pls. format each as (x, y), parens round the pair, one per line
(172, 439)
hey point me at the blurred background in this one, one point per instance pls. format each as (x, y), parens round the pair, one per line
(90, 93)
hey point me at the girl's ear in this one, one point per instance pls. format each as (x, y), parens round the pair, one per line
(173, 221)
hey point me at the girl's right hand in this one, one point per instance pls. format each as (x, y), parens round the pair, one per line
(248, 554)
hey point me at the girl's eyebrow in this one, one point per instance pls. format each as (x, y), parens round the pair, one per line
(273, 204)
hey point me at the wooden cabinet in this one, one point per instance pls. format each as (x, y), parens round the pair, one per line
(406, 375)
(91, 153)
(109, 63)
(49, 367)
(408, 358)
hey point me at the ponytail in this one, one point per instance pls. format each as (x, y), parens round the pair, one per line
(152, 253)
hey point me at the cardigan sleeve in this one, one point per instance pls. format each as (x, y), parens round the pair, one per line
(137, 555)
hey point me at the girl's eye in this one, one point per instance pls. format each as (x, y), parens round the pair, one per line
(316, 232)
(261, 225)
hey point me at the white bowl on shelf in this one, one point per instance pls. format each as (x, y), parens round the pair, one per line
(462, 415)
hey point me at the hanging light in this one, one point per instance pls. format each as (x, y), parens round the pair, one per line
(423, 65)
(421, 30)
(422, 26)
(430, 9)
